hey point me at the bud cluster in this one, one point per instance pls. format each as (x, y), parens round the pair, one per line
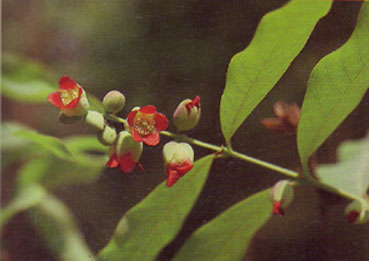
(142, 126)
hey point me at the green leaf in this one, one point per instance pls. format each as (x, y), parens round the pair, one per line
(25, 198)
(25, 80)
(56, 223)
(253, 72)
(89, 161)
(336, 86)
(153, 223)
(351, 173)
(227, 236)
(9, 141)
(49, 143)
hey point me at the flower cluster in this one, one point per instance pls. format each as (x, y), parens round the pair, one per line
(142, 126)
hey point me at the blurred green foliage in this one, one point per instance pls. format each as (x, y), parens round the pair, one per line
(159, 53)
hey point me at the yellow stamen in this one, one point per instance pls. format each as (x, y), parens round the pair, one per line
(69, 95)
(143, 127)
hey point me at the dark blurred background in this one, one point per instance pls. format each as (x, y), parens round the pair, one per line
(161, 52)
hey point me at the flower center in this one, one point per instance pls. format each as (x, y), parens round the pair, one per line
(143, 127)
(68, 95)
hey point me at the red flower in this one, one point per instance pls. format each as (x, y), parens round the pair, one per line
(125, 162)
(70, 98)
(176, 171)
(125, 154)
(67, 96)
(146, 124)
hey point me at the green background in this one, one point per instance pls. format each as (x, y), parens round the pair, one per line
(161, 52)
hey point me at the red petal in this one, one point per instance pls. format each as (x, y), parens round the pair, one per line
(74, 102)
(161, 122)
(173, 177)
(66, 82)
(151, 139)
(131, 116)
(352, 216)
(277, 208)
(196, 101)
(184, 168)
(127, 164)
(135, 136)
(113, 161)
(149, 109)
(54, 99)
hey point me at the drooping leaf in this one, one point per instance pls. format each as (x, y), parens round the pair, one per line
(26, 197)
(336, 86)
(253, 72)
(228, 236)
(25, 80)
(49, 143)
(351, 173)
(56, 224)
(89, 158)
(153, 223)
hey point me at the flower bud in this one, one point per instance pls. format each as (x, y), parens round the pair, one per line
(178, 160)
(107, 136)
(126, 144)
(96, 120)
(114, 101)
(187, 114)
(357, 212)
(126, 153)
(281, 196)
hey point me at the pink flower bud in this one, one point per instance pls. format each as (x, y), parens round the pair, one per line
(187, 114)
(178, 160)
(281, 196)
(357, 212)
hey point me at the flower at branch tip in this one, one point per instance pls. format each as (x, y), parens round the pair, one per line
(187, 114)
(125, 153)
(114, 101)
(70, 98)
(178, 160)
(281, 196)
(145, 124)
(288, 116)
(357, 212)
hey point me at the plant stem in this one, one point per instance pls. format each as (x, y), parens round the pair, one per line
(227, 151)
(232, 153)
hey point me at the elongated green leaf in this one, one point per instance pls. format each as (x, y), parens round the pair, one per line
(253, 72)
(89, 161)
(336, 86)
(24, 80)
(25, 198)
(227, 236)
(56, 224)
(155, 221)
(351, 173)
(49, 143)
